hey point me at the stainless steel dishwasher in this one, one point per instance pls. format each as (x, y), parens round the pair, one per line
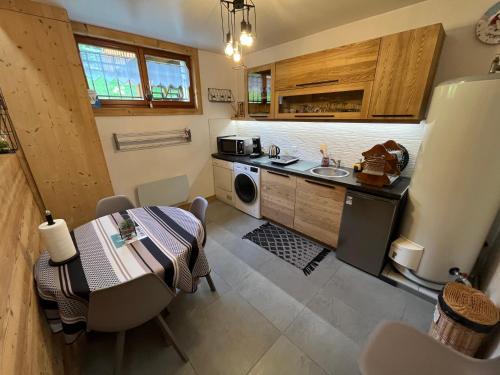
(366, 229)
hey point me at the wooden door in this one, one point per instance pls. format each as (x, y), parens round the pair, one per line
(318, 210)
(260, 105)
(43, 83)
(347, 64)
(405, 71)
(277, 200)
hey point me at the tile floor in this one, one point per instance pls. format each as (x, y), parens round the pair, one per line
(266, 317)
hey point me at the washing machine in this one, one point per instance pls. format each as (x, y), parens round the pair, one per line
(246, 182)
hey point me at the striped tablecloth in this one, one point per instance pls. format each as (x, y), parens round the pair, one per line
(172, 249)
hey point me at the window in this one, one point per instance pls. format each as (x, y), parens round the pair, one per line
(128, 76)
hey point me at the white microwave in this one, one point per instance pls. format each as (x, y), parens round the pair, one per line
(234, 145)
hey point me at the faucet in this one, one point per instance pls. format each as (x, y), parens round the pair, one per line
(336, 163)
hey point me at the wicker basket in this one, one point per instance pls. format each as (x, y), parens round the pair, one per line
(463, 318)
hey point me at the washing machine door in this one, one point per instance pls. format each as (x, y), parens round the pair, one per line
(245, 188)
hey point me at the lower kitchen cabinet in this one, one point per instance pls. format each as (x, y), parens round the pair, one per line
(223, 180)
(277, 201)
(318, 210)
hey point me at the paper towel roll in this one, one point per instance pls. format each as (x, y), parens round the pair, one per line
(57, 240)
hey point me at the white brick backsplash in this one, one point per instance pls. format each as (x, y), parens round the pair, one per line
(345, 141)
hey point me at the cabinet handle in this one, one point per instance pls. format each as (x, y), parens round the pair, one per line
(317, 83)
(392, 115)
(319, 183)
(278, 174)
(314, 115)
(258, 115)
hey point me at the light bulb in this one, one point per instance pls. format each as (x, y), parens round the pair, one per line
(236, 56)
(246, 39)
(229, 50)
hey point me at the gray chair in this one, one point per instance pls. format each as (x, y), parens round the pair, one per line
(129, 305)
(199, 209)
(394, 348)
(110, 205)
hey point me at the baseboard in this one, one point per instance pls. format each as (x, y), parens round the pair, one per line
(185, 206)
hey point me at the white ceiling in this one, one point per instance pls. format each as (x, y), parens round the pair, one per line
(197, 22)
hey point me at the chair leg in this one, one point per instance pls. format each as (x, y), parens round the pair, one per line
(168, 333)
(120, 345)
(210, 283)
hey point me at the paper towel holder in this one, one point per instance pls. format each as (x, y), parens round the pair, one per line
(50, 221)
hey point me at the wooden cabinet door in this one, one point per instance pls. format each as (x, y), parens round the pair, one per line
(318, 210)
(405, 70)
(352, 63)
(259, 104)
(277, 201)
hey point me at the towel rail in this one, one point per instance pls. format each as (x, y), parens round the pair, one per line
(140, 141)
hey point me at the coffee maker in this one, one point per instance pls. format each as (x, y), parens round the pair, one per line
(257, 147)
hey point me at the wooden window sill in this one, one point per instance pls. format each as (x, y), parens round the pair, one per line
(139, 111)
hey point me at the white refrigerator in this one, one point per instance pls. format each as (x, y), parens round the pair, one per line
(454, 193)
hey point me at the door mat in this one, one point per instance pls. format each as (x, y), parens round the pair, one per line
(289, 246)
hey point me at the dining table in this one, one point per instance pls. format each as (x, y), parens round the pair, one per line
(169, 242)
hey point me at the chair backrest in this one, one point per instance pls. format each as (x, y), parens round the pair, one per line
(110, 205)
(199, 209)
(129, 304)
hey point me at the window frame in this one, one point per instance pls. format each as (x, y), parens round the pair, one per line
(141, 52)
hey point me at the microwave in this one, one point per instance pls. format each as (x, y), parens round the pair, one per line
(235, 145)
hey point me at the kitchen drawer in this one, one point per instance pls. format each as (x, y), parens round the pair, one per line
(347, 64)
(278, 197)
(318, 210)
(222, 164)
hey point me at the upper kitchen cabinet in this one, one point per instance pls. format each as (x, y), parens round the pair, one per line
(347, 64)
(405, 70)
(259, 90)
(342, 101)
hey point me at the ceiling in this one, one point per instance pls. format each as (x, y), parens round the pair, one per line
(197, 22)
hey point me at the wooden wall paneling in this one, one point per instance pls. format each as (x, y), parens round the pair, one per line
(43, 82)
(26, 344)
(35, 8)
(405, 71)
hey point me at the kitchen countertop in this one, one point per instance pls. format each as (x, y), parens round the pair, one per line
(301, 168)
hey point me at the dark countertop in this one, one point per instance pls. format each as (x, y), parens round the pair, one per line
(301, 168)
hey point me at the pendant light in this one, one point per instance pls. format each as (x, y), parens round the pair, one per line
(237, 53)
(234, 43)
(229, 50)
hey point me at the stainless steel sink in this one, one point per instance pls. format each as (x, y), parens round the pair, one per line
(329, 172)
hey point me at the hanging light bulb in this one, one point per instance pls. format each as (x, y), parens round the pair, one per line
(229, 50)
(246, 38)
(237, 53)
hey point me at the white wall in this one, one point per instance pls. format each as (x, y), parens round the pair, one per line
(345, 141)
(131, 168)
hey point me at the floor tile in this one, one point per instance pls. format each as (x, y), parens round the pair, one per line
(284, 358)
(350, 322)
(366, 293)
(229, 267)
(227, 337)
(277, 306)
(325, 269)
(418, 312)
(247, 251)
(289, 278)
(186, 303)
(324, 344)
